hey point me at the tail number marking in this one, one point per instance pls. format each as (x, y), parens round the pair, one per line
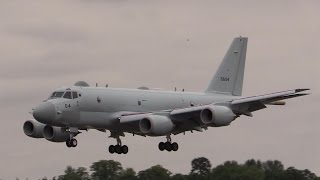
(224, 78)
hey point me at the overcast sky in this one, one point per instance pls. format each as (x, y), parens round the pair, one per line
(159, 44)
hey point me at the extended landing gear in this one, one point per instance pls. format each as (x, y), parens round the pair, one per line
(71, 143)
(169, 146)
(119, 148)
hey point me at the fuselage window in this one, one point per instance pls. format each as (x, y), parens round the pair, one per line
(56, 95)
(67, 95)
(74, 95)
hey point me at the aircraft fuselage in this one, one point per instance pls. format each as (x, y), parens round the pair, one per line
(99, 107)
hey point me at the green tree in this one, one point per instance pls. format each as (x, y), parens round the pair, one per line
(128, 174)
(154, 173)
(252, 162)
(274, 170)
(179, 177)
(200, 166)
(105, 169)
(231, 170)
(294, 174)
(74, 174)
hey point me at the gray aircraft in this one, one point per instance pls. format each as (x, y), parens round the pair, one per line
(147, 112)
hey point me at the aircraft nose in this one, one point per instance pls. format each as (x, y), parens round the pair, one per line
(45, 112)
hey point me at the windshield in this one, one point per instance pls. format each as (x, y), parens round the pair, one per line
(64, 94)
(57, 94)
(67, 95)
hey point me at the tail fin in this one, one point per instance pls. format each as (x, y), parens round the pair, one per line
(229, 76)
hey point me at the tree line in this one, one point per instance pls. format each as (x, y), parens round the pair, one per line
(201, 169)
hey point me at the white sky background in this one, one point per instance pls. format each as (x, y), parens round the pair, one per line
(160, 44)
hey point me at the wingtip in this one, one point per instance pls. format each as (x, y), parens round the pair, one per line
(305, 94)
(302, 94)
(300, 90)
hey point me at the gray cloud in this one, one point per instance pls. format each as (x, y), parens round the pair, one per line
(161, 44)
(49, 34)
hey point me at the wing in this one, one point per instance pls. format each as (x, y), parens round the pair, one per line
(250, 104)
(189, 118)
(183, 119)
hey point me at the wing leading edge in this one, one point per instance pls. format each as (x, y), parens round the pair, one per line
(250, 104)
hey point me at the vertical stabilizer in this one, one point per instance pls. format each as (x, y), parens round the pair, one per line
(229, 76)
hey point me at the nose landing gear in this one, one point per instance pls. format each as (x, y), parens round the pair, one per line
(169, 146)
(71, 143)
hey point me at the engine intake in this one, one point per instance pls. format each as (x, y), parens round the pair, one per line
(156, 125)
(217, 116)
(55, 134)
(33, 128)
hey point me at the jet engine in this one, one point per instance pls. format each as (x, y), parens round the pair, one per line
(217, 116)
(33, 128)
(156, 125)
(55, 134)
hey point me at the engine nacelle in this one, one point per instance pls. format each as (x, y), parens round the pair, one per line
(217, 116)
(55, 134)
(33, 128)
(156, 125)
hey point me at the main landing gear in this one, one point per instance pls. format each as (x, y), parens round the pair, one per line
(119, 148)
(169, 146)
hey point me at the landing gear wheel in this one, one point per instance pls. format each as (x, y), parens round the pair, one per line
(112, 149)
(124, 149)
(175, 146)
(117, 149)
(73, 142)
(168, 146)
(161, 146)
(68, 143)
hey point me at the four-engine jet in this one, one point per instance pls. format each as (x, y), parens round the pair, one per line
(146, 112)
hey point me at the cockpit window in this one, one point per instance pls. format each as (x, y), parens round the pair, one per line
(74, 95)
(57, 94)
(67, 95)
